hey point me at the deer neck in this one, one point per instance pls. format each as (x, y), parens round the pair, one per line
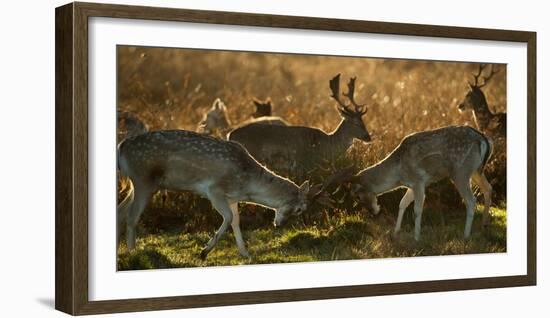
(383, 176)
(482, 114)
(224, 127)
(342, 136)
(271, 190)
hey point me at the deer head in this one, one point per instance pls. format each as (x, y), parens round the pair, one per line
(475, 97)
(215, 119)
(263, 108)
(311, 194)
(294, 207)
(356, 126)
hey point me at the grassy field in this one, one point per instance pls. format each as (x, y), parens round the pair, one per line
(173, 88)
(355, 236)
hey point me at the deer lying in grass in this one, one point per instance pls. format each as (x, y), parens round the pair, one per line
(485, 119)
(216, 120)
(304, 147)
(129, 125)
(263, 108)
(219, 170)
(456, 152)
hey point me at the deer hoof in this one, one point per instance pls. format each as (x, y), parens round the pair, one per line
(204, 254)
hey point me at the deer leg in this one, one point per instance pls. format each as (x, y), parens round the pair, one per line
(419, 197)
(405, 202)
(487, 189)
(122, 211)
(237, 230)
(142, 195)
(219, 202)
(463, 186)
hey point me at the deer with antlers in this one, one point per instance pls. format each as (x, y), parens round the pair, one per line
(485, 119)
(456, 152)
(304, 147)
(216, 120)
(222, 171)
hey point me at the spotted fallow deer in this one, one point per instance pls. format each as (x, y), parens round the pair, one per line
(456, 152)
(475, 101)
(222, 171)
(303, 147)
(216, 120)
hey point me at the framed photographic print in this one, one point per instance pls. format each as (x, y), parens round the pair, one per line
(219, 158)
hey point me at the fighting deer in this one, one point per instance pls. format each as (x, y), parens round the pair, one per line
(129, 125)
(456, 152)
(303, 147)
(485, 119)
(216, 121)
(222, 171)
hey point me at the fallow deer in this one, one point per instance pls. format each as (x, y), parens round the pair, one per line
(222, 171)
(304, 147)
(129, 125)
(456, 152)
(216, 121)
(487, 121)
(263, 108)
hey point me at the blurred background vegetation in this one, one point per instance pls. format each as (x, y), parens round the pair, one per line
(173, 88)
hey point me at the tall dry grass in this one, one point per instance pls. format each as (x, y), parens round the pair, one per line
(172, 88)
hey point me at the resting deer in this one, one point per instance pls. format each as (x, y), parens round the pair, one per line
(216, 121)
(456, 152)
(303, 146)
(475, 100)
(129, 125)
(219, 170)
(263, 108)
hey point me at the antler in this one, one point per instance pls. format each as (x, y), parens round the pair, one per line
(488, 78)
(318, 192)
(350, 95)
(485, 78)
(476, 76)
(334, 84)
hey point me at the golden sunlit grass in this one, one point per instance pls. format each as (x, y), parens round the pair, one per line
(172, 88)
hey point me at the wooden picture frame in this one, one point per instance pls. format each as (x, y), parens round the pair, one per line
(72, 280)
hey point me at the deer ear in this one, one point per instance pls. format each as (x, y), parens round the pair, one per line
(256, 102)
(305, 187)
(216, 104)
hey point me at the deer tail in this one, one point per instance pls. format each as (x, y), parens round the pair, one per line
(486, 150)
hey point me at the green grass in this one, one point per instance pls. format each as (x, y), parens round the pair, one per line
(355, 236)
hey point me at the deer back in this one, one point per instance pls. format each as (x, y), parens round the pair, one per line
(443, 152)
(292, 142)
(184, 160)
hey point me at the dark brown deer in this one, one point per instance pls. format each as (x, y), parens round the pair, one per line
(305, 147)
(487, 121)
(263, 108)
(222, 171)
(456, 152)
